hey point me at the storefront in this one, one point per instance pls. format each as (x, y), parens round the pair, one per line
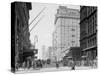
(89, 55)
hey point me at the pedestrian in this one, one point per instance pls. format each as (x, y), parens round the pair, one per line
(17, 66)
(73, 65)
(57, 65)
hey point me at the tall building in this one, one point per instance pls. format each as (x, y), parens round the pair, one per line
(54, 44)
(50, 53)
(88, 32)
(20, 42)
(67, 30)
(43, 52)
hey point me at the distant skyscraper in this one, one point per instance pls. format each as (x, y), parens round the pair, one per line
(43, 52)
(50, 53)
(67, 30)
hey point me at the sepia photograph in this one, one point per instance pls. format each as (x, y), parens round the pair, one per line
(53, 37)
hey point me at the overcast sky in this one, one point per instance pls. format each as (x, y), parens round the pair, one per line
(45, 27)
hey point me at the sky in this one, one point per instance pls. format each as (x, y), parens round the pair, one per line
(45, 27)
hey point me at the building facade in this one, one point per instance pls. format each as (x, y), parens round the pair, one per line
(88, 32)
(67, 30)
(50, 54)
(20, 41)
(44, 53)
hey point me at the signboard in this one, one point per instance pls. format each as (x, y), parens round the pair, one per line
(35, 51)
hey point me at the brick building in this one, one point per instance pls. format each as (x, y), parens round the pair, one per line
(88, 32)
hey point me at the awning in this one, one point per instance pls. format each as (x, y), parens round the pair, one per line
(89, 48)
(84, 56)
(27, 53)
(70, 57)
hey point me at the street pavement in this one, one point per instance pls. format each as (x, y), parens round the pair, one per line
(50, 68)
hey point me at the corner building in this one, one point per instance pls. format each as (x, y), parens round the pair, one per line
(67, 30)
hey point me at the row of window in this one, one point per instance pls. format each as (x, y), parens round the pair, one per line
(83, 44)
(92, 41)
(92, 24)
(72, 43)
(91, 10)
(89, 26)
(83, 13)
(86, 11)
(83, 29)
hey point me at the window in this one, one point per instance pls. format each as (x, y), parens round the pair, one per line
(73, 29)
(73, 35)
(88, 43)
(73, 41)
(94, 41)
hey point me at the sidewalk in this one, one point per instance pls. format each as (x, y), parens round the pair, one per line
(52, 69)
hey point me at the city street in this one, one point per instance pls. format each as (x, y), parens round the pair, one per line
(50, 68)
(65, 39)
